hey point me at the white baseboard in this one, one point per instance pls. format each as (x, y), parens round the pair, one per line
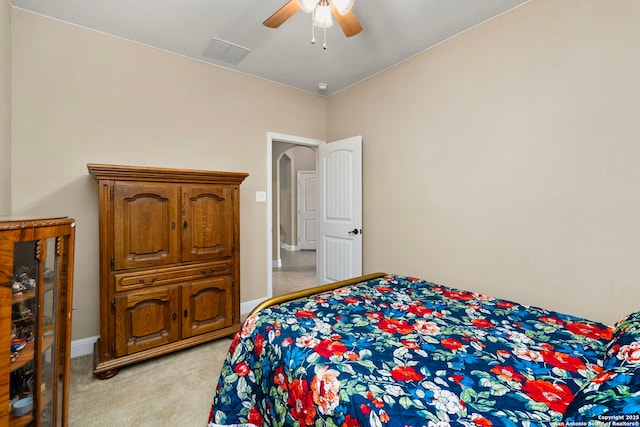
(247, 306)
(84, 346)
(276, 263)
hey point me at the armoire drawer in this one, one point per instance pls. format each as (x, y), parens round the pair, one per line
(161, 277)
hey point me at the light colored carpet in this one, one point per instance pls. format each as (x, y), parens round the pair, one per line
(172, 390)
(298, 272)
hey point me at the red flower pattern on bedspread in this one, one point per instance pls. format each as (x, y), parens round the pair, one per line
(556, 396)
(589, 330)
(405, 373)
(402, 352)
(255, 417)
(394, 326)
(301, 403)
(507, 373)
(563, 361)
(329, 348)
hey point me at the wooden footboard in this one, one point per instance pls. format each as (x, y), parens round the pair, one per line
(313, 291)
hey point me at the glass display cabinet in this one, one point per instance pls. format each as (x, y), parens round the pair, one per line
(36, 288)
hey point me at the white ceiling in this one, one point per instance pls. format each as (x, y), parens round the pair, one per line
(393, 30)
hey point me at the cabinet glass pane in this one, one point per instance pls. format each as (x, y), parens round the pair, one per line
(49, 299)
(48, 347)
(47, 387)
(51, 263)
(24, 317)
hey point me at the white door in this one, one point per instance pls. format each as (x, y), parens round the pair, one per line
(307, 202)
(339, 214)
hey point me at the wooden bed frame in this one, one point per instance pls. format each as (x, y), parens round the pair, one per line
(313, 291)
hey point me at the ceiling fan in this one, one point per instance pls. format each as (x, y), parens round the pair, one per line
(321, 11)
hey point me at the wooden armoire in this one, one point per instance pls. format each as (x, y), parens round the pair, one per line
(169, 261)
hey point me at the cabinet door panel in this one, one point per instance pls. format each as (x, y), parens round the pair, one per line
(207, 305)
(146, 225)
(209, 213)
(146, 319)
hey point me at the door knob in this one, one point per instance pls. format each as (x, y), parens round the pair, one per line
(355, 231)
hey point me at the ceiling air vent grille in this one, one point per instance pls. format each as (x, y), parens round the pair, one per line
(226, 51)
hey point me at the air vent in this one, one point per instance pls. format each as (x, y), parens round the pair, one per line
(226, 51)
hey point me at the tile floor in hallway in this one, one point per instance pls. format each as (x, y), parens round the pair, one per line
(298, 271)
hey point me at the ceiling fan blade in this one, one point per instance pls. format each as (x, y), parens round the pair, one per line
(284, 13)
(348, 22)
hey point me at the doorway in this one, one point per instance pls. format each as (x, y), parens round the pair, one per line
(339, 237)
(289, 267)
(295, 261)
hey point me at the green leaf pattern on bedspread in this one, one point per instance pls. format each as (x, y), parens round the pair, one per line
(399, 351)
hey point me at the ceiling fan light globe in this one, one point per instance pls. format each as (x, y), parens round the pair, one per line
(343, 6)
(308, 5)
(322, 17)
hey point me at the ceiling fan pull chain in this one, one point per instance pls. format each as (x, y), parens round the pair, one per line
(324, 45)
(313, 29)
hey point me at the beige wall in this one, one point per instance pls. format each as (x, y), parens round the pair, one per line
(81, 96)
(5, 107)
(501, 161)
(505, 160)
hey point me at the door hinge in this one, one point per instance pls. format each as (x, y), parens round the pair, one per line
(113, 350)
(113, 263)
(113, 306)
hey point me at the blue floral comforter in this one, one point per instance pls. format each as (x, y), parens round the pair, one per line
(399, 351)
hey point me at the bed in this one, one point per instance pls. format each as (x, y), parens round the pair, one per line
(389, 350)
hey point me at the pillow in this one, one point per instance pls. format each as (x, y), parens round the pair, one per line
(616, 390)
(624, 347)
(613, 393)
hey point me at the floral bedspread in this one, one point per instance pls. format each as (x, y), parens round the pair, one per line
(399, 351)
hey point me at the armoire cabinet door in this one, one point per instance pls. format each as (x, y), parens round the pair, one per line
(146, 319)
(207, 305)
(208, 227)
(146, 225)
